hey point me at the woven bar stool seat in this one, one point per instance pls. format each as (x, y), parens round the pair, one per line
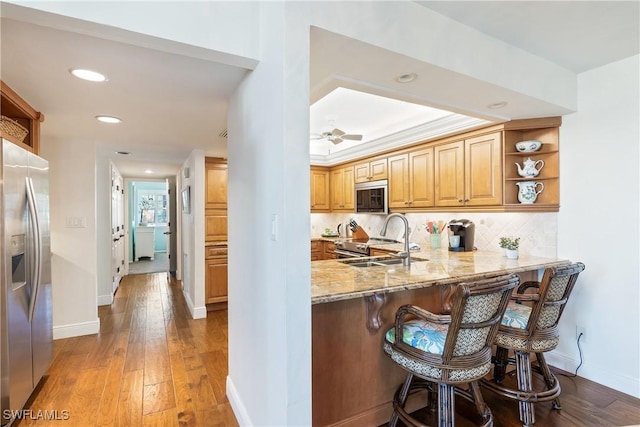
(442, 352)
(530, 326)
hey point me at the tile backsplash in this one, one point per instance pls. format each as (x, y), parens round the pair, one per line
(537, 231)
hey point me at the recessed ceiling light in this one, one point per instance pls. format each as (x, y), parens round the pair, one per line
(108, 119)
(148, 171)
(123, 153)
(406, 78)
(92, 76)
(497, 105)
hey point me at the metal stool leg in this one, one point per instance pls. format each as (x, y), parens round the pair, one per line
(523, 372)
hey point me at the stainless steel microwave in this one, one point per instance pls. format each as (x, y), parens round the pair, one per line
(372, 197)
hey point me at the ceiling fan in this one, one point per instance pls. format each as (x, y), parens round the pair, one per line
(336, 135)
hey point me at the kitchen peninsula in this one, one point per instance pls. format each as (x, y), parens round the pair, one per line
(353, 307)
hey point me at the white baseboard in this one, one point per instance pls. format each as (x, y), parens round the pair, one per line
(236, 405)
(622, 383)
(105, 299)
(196, 312)
(76, 329)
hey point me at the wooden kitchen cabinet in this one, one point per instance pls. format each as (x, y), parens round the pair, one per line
(316, 250)
(342, 189)
(371, 170)
(328, 250)
(320, 190)
(411, 180)
(14, 107)
(215, 215)
(216, 183)
(546, 132)
(216, 273)
(469, 172)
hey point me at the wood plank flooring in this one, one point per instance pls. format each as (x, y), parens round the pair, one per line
(150, 365)
(584, 404)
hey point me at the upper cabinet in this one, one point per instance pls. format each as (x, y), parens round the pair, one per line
(216, 178)
(320, 190)
(20, 122)
(469, 172)
(371, 170)
(215, 199)
(411, 179)
(342, 189)
(479, 170)
(545, 160)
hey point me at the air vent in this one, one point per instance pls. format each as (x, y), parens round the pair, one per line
(223, 134)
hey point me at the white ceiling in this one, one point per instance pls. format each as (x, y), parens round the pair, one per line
(172, 104)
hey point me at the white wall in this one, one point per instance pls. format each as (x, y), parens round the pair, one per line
(269, 275)
(74, 251)
(192, 236)
(599, 224)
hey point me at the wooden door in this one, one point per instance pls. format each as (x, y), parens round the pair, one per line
(216, 280)
(362, 172)
(449, 174)
(421, 186)
(342, 189)
(320, 191)
(399, 181)
(378, 169)
(349, 188)
(483, 170)
(216, 185)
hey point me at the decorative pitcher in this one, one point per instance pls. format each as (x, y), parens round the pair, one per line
(530, 168)
(528, 191)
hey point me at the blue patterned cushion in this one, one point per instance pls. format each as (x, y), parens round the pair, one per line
(516, 316)
(426, 336)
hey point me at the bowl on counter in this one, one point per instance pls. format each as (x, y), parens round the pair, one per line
(528, 146)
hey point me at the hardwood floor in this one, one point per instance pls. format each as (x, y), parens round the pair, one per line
(150, 365)
(584, 404)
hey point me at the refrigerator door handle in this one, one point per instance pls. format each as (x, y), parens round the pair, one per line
(35, 226)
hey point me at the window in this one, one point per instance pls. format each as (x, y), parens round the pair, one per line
(152, 208)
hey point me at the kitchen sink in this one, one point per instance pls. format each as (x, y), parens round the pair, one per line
(376, 261)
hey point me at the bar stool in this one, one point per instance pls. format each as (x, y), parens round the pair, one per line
(448, 350)
(530, 325)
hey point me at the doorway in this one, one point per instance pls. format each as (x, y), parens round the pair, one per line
(149, 212)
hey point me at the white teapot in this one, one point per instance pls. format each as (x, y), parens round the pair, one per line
(530, 168)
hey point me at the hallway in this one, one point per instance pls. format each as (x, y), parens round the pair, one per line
(151, 364)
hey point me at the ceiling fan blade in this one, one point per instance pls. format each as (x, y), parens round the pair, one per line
(337, 132)
(352, 137)
(316, 136)
(335, 140)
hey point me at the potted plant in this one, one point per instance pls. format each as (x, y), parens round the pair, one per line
(510, 246)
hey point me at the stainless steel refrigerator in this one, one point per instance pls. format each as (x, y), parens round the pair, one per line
(26, 337)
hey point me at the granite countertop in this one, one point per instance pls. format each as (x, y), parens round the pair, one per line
(332, 280)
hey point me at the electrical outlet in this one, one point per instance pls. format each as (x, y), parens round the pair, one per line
(581, 330)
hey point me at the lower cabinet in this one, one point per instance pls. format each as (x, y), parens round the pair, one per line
(216, 275)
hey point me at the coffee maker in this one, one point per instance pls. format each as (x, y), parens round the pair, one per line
(466, 230)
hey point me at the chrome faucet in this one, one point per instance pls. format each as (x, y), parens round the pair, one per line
(406, 256)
